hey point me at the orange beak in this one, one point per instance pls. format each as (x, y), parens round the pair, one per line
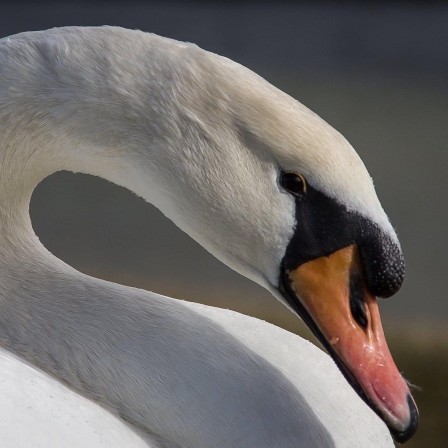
(331, 295)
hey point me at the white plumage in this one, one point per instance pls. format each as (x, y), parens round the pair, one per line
(127, 106)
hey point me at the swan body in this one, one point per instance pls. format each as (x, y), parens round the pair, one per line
(203, 139)
(38, 409)
(55, 416)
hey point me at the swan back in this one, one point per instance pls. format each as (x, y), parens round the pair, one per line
(36, 407)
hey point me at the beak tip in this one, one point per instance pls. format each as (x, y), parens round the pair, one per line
(403, 436)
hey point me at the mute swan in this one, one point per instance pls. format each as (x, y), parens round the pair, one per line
(263, 184)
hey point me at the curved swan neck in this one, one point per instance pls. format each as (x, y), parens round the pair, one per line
(136, 117)
(117, 345)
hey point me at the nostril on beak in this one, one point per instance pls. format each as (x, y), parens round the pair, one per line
(357, 305)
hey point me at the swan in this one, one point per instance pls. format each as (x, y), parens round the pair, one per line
(257, 179)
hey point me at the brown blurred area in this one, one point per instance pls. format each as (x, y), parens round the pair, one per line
(378, 73)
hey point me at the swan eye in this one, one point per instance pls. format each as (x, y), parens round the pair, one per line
(293, 182)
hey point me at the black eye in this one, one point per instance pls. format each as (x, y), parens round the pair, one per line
(293, 182)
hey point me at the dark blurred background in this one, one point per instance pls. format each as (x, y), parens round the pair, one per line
(375, 71)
